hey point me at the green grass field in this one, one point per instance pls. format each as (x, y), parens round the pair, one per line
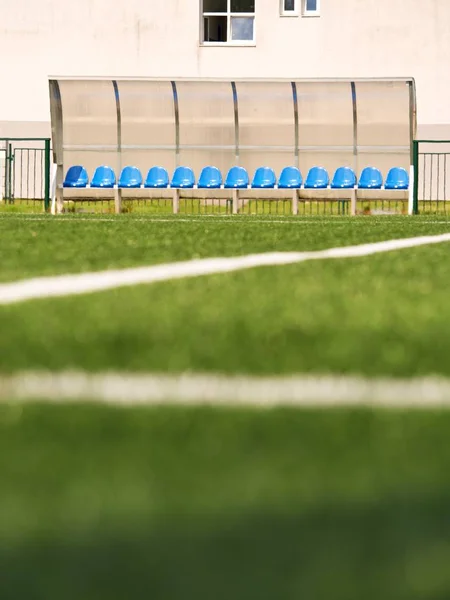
(199, 503)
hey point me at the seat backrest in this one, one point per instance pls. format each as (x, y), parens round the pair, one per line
(237, 178)
(397, 179)
(290, 177)
(264, 178)
(344, 178)
(130, 177)
(104, 177)
(371, 178)
(317, 178)
(157, 177)
(76, 176)
(183, 177)
(210, 177)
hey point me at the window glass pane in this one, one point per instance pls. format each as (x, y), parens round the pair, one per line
(243, 6)
(242, 28)
(311, 5)
(289, 5)
(214, 6)
(215, 29)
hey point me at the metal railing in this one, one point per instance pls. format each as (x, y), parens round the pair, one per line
(432, 176)
(25, 171)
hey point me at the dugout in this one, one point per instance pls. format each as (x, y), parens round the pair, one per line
(251, 123)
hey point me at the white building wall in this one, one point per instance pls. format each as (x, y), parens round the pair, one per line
(351, 38)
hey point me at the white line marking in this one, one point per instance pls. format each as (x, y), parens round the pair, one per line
(210, 218)
(132, 389)
(69, 285)
(248, 220)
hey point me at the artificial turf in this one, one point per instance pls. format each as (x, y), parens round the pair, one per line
(169, 503)
(43, 245)
(380, 315)
(179, 504)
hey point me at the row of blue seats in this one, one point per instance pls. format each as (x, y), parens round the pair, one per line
(237, 178)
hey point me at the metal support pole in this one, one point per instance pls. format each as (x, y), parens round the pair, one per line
(118, 200)
(176, 201)
(47, 175)
(59, 189)
(415, 207)
(235, 202)
(295, 202)
(8, 170)
(353, 199)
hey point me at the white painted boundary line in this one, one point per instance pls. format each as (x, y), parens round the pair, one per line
(209, 218)
(69, 285)
(131, 389)
(247, 219)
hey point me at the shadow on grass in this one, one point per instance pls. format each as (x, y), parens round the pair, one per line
(398, 551)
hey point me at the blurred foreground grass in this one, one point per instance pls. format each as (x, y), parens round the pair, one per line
(193, 504)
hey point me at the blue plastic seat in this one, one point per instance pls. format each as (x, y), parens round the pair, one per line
(183, 177)
(397, 179)
(371, 179)
(264, 178)
(344, 178)
(157, 177)
(130, 178)
(104, 177)
(210, 178)
(290, 178)
(76, 177)
(237, 178)
(317, 178)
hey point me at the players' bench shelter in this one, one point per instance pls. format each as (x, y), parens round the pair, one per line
(143, 123)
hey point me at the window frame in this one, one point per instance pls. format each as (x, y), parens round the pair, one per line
(290, 13)
(310, 13)
(229, 16)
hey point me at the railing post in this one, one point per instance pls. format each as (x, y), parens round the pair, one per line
(8, 160)
(415, 206)
(47, 175)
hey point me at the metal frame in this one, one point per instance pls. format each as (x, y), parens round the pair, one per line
(236, 79)
(416, 172)
(47, 164)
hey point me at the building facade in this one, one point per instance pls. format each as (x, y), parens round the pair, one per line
(223, 39)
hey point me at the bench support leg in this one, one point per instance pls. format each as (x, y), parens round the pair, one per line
(295, 202)
(118, 201)
(59, 201)
(235, 202)
(353, 198)
(176, 202)
(59, 192)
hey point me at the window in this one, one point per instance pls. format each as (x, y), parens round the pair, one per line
(229, 22)
(289, 8)
(311, 8)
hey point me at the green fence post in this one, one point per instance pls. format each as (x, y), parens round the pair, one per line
(8, 173)
(47, 175)
(416, 177)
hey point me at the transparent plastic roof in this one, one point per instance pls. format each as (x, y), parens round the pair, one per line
(147, 122)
